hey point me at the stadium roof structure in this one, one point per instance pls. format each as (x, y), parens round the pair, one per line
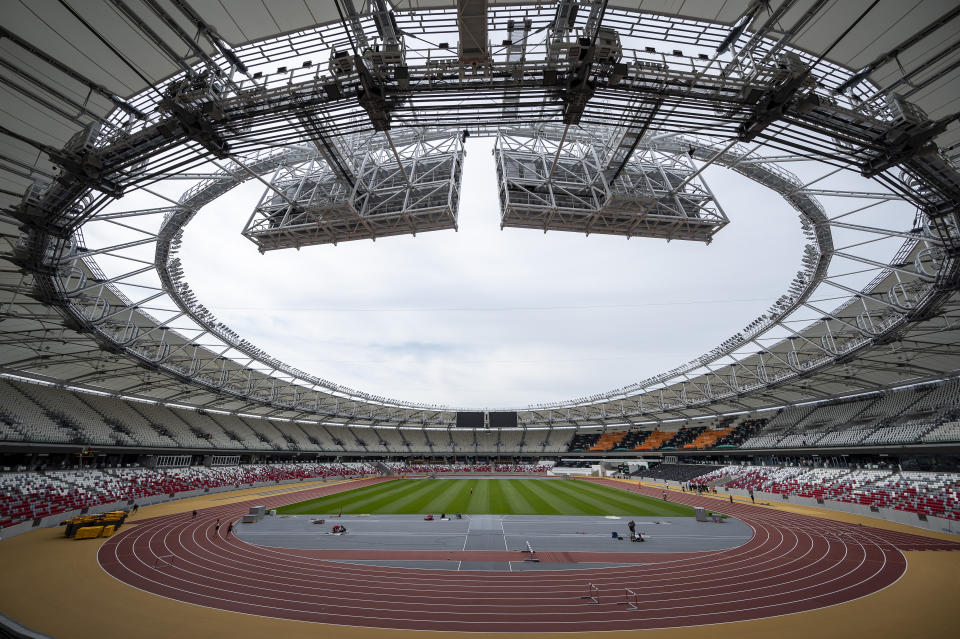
(352, 116)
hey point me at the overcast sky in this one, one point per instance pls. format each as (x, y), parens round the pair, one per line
(491, 318)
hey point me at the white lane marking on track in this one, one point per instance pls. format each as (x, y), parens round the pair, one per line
(170, 525)
(268, 565)
(286, 556)
(769, 606)
(265, 616)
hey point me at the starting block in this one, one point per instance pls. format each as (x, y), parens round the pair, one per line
(163, 560)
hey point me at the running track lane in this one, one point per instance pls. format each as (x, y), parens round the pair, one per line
(793, 563)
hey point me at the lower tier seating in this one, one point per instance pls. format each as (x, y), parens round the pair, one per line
(924, 493)
(432, 469)
(26, 496)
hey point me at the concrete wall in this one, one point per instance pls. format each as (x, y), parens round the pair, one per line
(563, 470)
(889, 514)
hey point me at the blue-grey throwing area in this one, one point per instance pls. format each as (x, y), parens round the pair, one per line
(511, 533)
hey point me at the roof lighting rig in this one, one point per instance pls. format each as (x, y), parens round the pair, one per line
(551, 186)
(363, 187)
(604, 125)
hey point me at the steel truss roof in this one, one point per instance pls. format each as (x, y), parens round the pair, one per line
(121, 318)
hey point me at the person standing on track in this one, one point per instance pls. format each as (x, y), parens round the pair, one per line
(664, 495)
(229, 528)
(632, 527)
(194, 514)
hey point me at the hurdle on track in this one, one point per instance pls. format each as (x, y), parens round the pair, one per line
(593, 594)
(163, 560)
(533, 553)
(630, 599)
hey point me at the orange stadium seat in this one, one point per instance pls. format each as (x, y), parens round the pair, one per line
(608, 441)
(655, 440)
(708, 438)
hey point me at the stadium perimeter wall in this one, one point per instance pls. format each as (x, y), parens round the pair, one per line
(936, 524)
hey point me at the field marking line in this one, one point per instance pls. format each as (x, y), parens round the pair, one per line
(505, 547)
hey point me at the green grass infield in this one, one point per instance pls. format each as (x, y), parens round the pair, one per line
(488, 497)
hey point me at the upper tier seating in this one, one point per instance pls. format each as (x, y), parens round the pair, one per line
(763, 441)
(945, 432)
(708, 438)
(47, 414)
(608, 441)
(583, 441)
(631, 440)
(682, 437)
(655, 440)
(907, 433)
(905, 416)
(741, 433)
(849, 437)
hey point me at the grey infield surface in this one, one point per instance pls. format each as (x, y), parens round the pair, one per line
(493, 532)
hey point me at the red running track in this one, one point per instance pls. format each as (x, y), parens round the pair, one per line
(793, 563)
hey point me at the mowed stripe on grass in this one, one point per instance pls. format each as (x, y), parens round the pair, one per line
(489, 497)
